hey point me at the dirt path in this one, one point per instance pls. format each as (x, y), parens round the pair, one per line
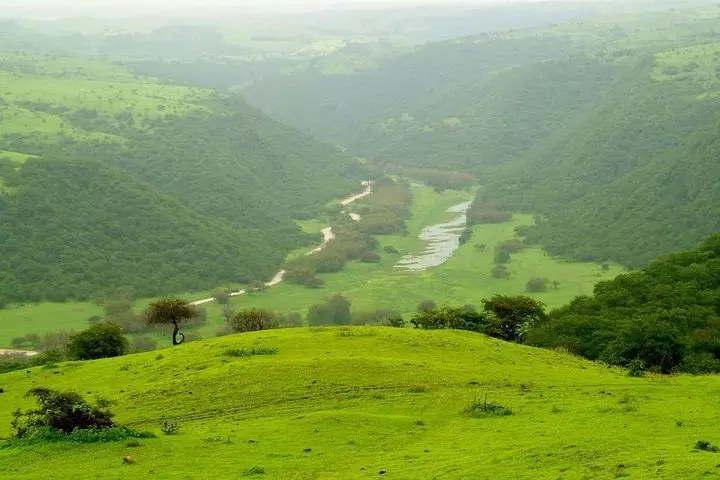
(328, 235)
(23, 353)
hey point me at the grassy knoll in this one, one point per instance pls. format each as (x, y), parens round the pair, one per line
(354, 402)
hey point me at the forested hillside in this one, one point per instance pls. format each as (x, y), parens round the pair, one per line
(112, 180)
(666, 316)
(602, 129)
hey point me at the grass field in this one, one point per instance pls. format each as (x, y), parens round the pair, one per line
(464, 279)
(353, 402)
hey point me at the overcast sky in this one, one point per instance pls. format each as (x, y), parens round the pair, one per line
(165, 5)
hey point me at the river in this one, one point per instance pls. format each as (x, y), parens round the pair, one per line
(443, 239)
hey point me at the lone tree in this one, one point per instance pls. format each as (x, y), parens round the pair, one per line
(170, 311)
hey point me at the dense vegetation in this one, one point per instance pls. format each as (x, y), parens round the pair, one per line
(666, 316)
(109, 180)
(604, 130)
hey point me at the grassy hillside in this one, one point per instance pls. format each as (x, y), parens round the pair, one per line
(351, 403)
(124, 181)
(602, 128)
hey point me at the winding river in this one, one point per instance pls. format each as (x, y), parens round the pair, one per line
(443, 240)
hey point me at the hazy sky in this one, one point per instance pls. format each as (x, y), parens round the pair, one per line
(75, 5)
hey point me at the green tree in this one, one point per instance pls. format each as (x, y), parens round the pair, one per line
(427, 306)
(510, 317)
(170, 311)
(253, 320)
(335, 311)
(103, 340)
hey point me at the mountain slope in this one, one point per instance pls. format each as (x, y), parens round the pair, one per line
(602, 129)
(74, 228)
(205, 162)
(352, 402)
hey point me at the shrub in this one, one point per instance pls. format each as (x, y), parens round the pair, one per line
(143, 344)
(481, 408)
(513, 245)
(452, 318)
(335, 311)
(391, 250)
(253, 320)
(501, 256)
(289, 320)
(480, 247)
(378, 317)
(370, 257)
(254, 471)
(427, 306)
(537, 284)
(222, 298)
(251, 352)
(89, 435)
(636, 368)
(500, 272)
(95, 319)
(706, 446)
(104, 340)
(63, 412)
(465, 236)
(169, 427)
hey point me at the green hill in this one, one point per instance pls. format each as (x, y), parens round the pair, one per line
(110, 180)
(354, 402)
(603, 129)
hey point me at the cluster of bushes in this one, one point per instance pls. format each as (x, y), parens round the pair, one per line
(503, 256)
(383, 212)
(481, 212)
(66, 416)
(665, 317)
(507, 318)
(438, 179)
(387, 209)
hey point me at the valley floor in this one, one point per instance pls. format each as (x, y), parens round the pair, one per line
(464, 279)
(354, 402)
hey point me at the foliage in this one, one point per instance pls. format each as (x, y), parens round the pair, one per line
(39, 435)
(537, 284)
(370, 257)
(143, 344)
(665, 316)
(251, 352)
(427, 306)
(170, 311)
(335, 311)
(64, 412)
(481, 408)
(452, 318)
(253, 320)
(103, 340)
(169, 427)
(511, 317)
(706, 446)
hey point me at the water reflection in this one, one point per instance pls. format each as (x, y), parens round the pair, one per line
(443, 240)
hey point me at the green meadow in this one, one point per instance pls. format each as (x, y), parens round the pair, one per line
(371, 402)
(464, 279)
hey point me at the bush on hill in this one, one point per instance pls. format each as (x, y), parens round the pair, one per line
(335, 311)
(103, 340)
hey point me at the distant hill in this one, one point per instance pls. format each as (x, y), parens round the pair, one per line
(603, 129)
(114, 180)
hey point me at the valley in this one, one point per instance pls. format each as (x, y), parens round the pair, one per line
(476, 241)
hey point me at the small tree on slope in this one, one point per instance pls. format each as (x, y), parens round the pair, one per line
(170, 311)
